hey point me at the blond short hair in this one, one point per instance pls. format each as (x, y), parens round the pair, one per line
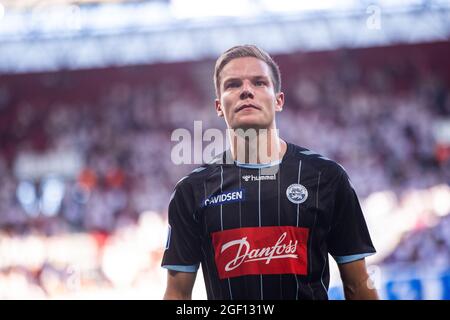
(243, 51)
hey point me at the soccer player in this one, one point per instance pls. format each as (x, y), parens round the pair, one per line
(261, 224)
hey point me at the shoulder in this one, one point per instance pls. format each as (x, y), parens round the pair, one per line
(185, 188)
(329, 168)
(196, 177)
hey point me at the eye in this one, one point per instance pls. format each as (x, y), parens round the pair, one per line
(260, 83)
(233, 84)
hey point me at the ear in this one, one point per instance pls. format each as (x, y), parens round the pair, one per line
(279, 101)
(219, 108)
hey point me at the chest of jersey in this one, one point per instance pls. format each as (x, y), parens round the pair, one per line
(240, 197)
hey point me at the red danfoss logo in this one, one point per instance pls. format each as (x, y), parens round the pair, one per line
(263, 250)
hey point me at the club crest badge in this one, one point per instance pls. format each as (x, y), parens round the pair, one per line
(297, 193)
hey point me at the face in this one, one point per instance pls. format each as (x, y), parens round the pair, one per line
(247, 98)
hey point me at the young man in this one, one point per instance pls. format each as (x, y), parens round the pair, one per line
(262, 219)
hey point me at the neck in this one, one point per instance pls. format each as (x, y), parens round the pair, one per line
(259, 146)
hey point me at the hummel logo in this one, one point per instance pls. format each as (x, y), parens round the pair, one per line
(251, 177)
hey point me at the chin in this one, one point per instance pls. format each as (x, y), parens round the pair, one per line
(251, 125)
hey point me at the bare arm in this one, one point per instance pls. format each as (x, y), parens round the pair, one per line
(357, 285)
(179, 285)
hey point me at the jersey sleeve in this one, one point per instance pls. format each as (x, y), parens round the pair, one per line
(349, 239)
(182, 252)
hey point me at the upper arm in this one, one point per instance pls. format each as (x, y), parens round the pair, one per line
(183, 246)
(179, 285)
(348, 239)
(356, 280)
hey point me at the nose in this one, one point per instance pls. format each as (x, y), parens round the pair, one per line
(247, 91)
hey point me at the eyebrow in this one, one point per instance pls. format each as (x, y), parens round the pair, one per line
(258, 77)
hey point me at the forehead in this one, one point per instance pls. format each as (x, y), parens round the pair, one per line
(245, 67)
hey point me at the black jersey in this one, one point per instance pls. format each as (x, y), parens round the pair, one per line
(262, 234)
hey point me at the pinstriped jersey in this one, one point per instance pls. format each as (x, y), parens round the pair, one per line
(265, 231)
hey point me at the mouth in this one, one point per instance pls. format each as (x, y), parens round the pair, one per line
(247, 106)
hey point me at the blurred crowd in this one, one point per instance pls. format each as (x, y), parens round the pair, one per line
(427, 245)
(378, 123)
(375, 118)
(120, 265)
